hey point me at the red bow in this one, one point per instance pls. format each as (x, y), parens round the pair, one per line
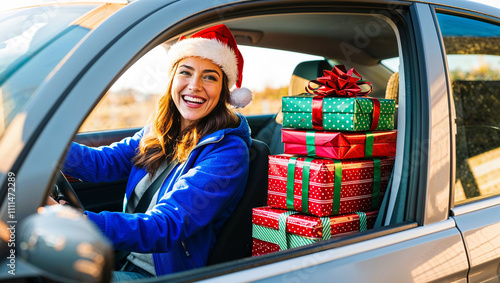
(339, 82)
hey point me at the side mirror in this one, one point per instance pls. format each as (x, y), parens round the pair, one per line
(59, 241)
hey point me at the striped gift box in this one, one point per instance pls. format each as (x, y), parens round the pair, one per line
(277, 229)
(323, 187)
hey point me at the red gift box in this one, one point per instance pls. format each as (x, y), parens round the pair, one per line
(262, 247)
(325, 187)
(339, 145)
(301, 229)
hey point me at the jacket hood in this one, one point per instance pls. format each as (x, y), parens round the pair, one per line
(243, 131)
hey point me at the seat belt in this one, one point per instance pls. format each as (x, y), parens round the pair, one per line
(146, 198)
(142, 206)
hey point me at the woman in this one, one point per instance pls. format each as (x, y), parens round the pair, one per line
(206, 146)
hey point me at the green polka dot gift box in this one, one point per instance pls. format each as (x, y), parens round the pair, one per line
(278, 229)
(307, 111)
(323, 187)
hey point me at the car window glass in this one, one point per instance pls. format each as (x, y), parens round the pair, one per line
(267, 74)
(32, 42)
(473, 55)
(391, 64)
(131, 100)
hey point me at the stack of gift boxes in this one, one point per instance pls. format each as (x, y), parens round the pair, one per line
(339, 154)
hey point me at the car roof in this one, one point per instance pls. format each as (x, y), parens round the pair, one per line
(322, 35)
(316, 34)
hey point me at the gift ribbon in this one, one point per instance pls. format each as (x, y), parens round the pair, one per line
(376, 113)
(327, 228)
(377, 175)
(290, 182)
(310, 143)
(306, 169)
(369, 144)
(337, 185)
(317, 112)
(362, 221)
(282, 242)
(339, 82)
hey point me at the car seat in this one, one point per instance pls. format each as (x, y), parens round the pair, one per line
(234, 241)
(302, 74)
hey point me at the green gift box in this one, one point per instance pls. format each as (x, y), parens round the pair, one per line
(338, 113)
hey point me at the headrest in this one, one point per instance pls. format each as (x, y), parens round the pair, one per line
(304, 72)
(392, 89)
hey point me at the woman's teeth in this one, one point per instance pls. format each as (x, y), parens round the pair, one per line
(194, 99)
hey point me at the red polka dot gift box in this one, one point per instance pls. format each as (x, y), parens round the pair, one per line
(340, 145)
(277, 229)
(323, 187)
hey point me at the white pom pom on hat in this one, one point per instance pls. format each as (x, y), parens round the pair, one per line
(240, 97)
(217, 44)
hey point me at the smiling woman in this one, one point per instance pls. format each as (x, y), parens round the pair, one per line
(196, 89)
(186, 148)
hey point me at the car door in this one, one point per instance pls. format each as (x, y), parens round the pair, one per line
(425, 245)
(418, 241)
(474, 75)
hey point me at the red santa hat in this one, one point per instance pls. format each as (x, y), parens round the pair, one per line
(218, 45)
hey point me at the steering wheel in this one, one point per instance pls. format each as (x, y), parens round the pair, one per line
(64, 190)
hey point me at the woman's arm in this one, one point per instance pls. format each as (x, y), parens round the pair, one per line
(215, 183)
(102, 164)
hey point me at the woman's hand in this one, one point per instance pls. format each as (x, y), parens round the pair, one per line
(51, 201)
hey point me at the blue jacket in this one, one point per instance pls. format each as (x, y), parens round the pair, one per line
(192, 207)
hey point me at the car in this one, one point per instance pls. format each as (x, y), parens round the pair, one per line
(90, 72)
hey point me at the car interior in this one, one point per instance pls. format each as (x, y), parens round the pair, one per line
(330, 36)
(325, 35)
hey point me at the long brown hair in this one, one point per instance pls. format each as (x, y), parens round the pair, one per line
(165, 141)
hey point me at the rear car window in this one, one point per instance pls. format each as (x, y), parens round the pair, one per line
(473, 55)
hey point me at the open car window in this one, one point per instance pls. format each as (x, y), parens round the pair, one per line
(132, 98)
(358, 41)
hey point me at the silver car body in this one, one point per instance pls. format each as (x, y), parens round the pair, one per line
(444, 243)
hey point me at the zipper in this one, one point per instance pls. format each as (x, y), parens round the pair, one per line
(187, 253)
